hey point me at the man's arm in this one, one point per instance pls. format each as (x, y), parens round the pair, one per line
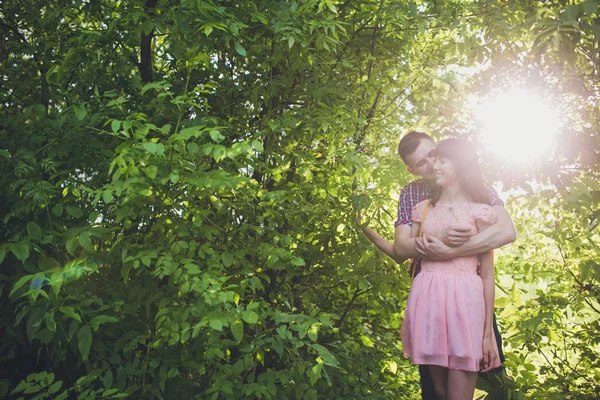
(404, 239)
(405, 244)
(501, 233)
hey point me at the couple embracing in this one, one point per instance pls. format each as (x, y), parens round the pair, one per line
(452, 219)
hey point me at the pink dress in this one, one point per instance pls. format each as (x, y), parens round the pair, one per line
(445, 311)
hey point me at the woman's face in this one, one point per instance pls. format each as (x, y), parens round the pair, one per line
(445, 172)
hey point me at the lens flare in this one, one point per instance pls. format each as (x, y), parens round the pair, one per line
(517, 126)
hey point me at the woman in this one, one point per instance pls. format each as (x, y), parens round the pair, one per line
(448, 317)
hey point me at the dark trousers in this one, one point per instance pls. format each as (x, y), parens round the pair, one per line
(427, 389)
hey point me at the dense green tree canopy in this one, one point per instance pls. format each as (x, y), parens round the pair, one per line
(181, 178)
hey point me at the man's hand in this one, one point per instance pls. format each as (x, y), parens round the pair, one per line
(456, 235)
(432, 248)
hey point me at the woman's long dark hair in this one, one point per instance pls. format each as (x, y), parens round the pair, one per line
(463, 156)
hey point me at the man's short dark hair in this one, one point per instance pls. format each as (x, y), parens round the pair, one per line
(409, 143)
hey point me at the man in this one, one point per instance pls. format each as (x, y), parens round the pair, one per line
(416, 149)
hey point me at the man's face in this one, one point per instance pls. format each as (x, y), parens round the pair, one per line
(421, 161)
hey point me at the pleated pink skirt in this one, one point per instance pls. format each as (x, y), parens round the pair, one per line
(444, 320)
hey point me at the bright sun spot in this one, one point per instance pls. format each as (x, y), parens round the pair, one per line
(517, 126)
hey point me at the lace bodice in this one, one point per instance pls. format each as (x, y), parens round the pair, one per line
(440, 217)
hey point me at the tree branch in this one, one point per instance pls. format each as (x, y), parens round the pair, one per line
(13, 30)
(357, 293)
(145, 65)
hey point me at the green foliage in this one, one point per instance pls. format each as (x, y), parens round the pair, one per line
(180, 184)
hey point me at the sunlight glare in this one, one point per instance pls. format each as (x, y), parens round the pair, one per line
(517, 126)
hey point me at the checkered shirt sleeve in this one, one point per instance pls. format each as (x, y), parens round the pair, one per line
(409, 197)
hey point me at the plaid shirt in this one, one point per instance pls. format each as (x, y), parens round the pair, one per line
(417, 191)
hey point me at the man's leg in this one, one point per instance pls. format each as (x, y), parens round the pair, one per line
(499, 342)
(427, 389)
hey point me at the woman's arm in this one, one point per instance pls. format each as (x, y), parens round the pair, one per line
(403, 247)
(486, 272)
(382, 244)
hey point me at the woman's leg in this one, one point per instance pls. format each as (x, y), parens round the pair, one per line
(439, 376)
(461, 384)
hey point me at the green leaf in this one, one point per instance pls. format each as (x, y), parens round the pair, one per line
(502, 302)
(154, 148)
(55, 387)
(590, 6)
(147, 261)
(216, 136)
(313, 332)
(192, 147)
(70, 312)
(250, 316)
(257, 145)
(207, 30)
(85, 240)
(71, 245)
(115, 125)
(367, 341)
(107, 196)
(63, 395)
(166, 128)
(74, 212)
(20, 250)
(240, 49)
(237, 328)
(57, 210)
(150, 146)
(147, 27)
(93, 217)
(315, 373)
(216, 324)
(327, 357)
(513, 292)
(19, 284)
(192, 269)
(84, 341)
(227, 259)
(80, 112)
(101, 319)
(2, 254)
(151, 171)
(297, 261)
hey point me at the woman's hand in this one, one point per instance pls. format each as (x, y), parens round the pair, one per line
(489, 354)
(456, 235)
